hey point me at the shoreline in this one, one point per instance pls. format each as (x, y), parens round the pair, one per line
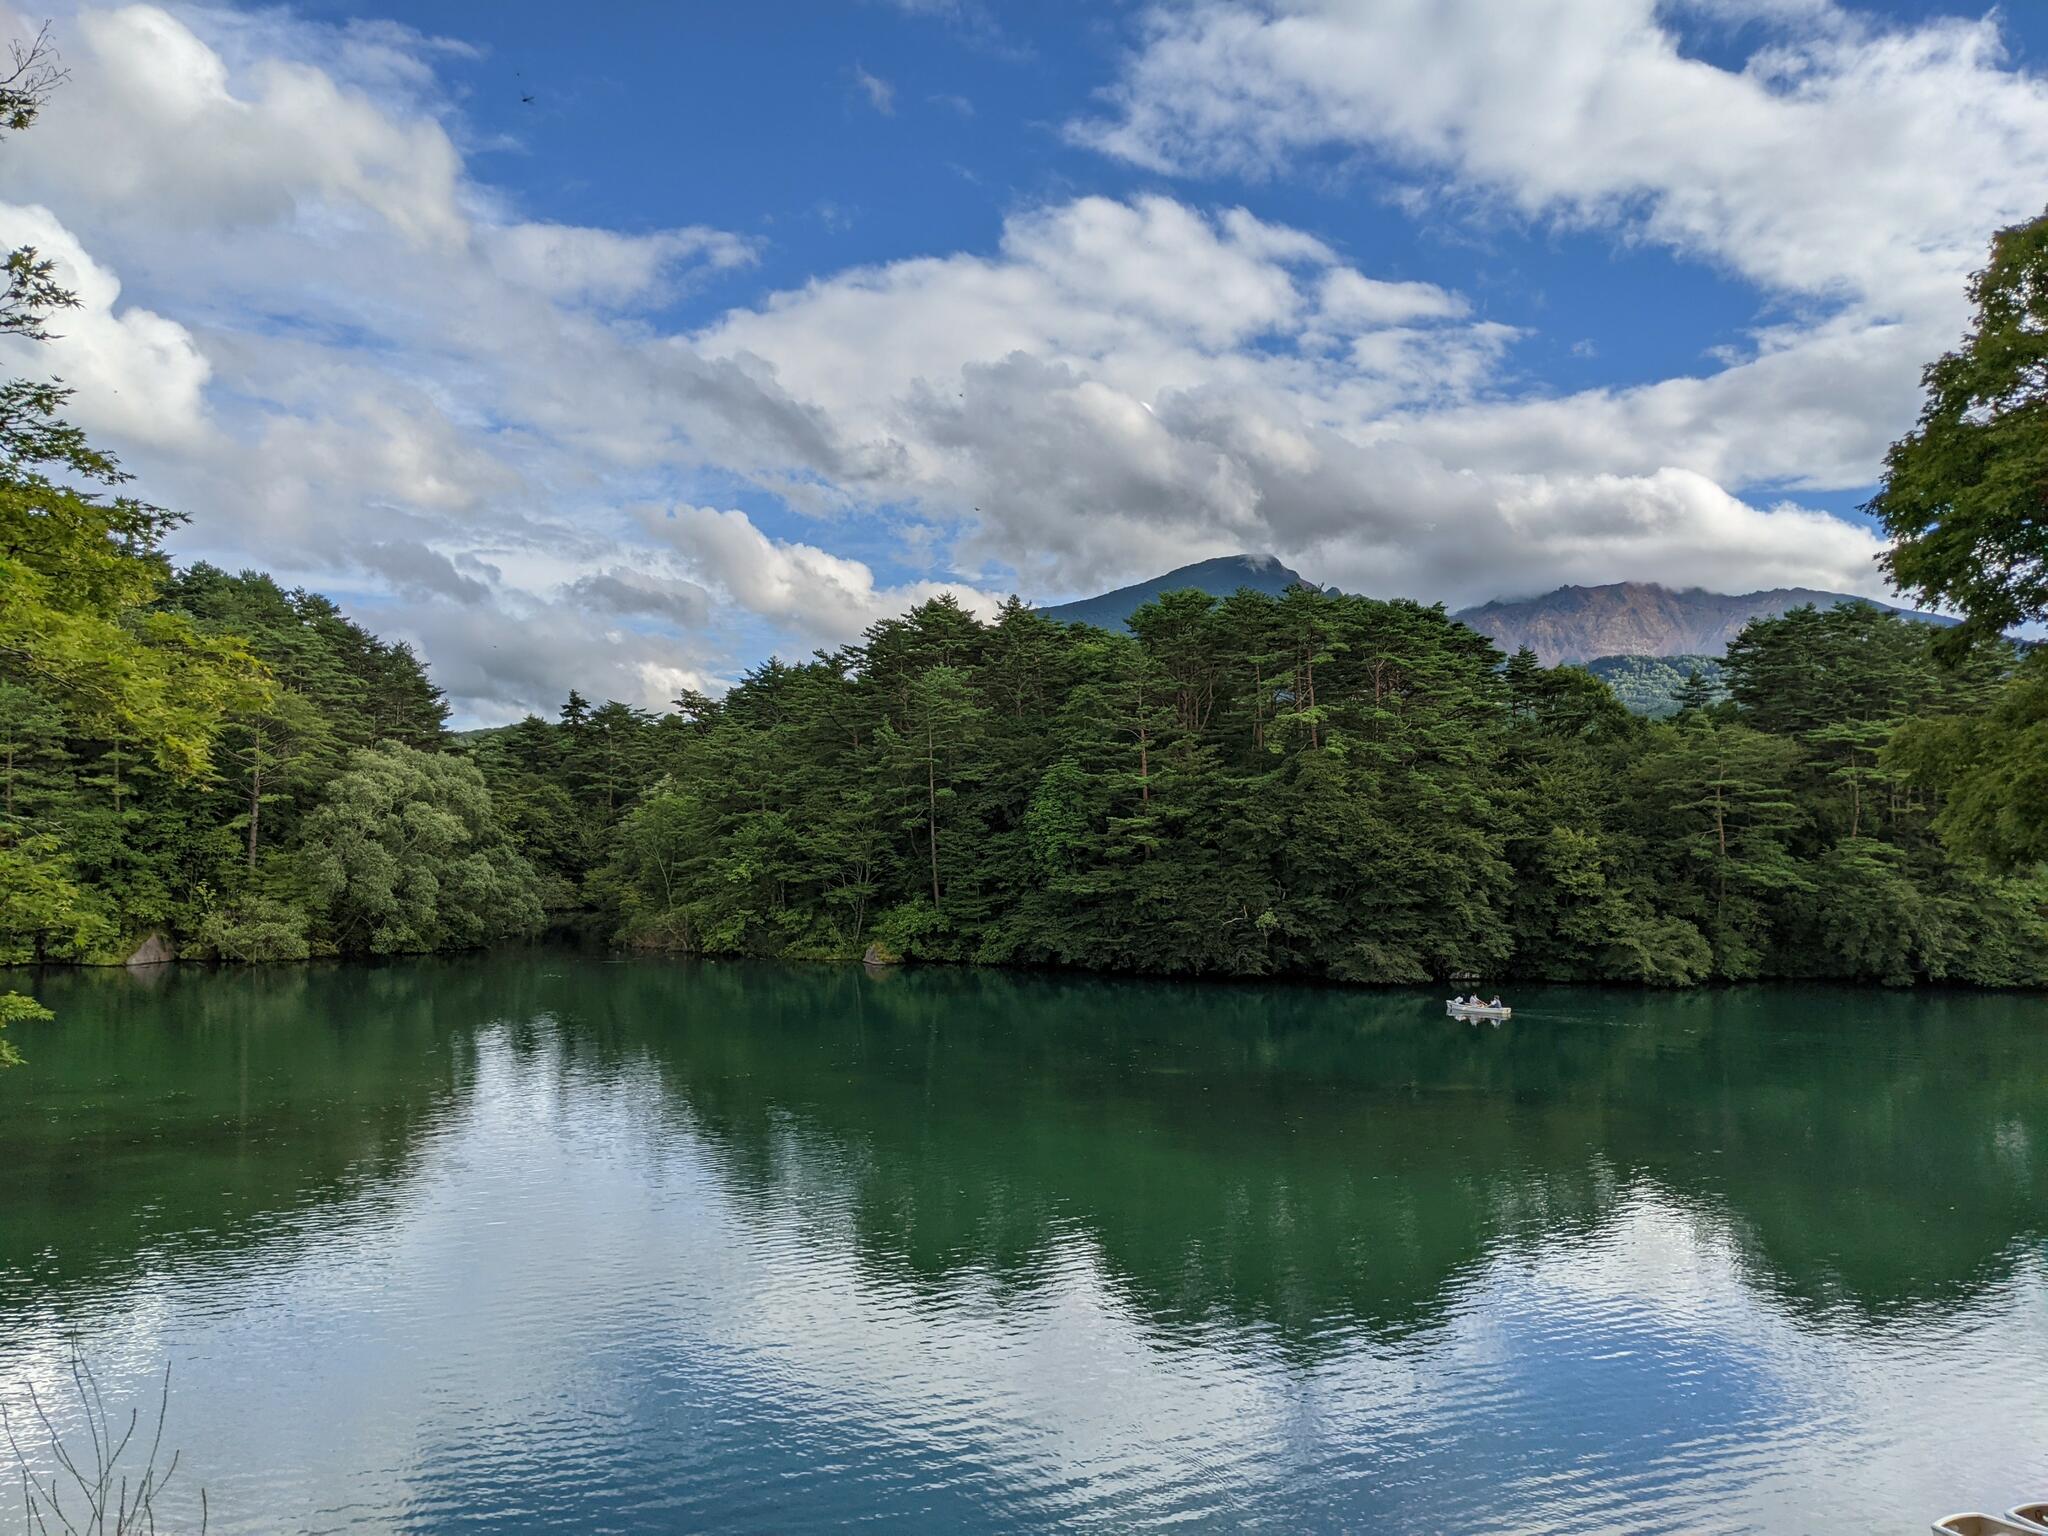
(613, 951)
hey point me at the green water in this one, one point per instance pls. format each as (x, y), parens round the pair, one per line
(551, 1242)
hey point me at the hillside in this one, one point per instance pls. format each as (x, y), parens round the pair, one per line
(1639, 618)
(1220, 577)
(1649, 684)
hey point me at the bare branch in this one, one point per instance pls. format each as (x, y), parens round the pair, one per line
(118, 1502)
(36, 71)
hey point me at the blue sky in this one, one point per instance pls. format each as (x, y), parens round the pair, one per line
(755, 324)
(755, 120)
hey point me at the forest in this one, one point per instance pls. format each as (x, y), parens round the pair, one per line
(1307, 785)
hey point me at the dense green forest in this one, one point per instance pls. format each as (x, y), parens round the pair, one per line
(1330, 786)
(1309, 784)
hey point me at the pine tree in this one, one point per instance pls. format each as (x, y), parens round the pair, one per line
(1696, 696)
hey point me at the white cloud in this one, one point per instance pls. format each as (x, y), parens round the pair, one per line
(138, 375)
(880, 93)
(525, 652)
(599, 266)
(154, 123)
(800, 587)
(1131, 386)
(1350, 299)
(1853, 169)
(1843, 158)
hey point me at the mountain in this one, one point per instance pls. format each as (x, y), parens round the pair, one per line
(1219, 577)
(1577, 624)
(1640, 618)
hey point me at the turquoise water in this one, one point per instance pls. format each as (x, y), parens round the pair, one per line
(550, 1242)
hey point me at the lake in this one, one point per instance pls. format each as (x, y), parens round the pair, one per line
(551, 1241)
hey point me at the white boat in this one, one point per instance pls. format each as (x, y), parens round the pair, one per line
(1974, 1524)
(1458, 1010)
(2034, 1513)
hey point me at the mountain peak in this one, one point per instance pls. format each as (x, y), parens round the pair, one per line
(1219, 577)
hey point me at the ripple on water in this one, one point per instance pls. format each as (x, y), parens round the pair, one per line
(627, 1287)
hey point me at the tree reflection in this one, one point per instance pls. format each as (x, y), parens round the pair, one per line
(1301, 1161)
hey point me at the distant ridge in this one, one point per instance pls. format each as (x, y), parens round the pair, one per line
(1219, 577)
(1640, 618)
(1570, 624)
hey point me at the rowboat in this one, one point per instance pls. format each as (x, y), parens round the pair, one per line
(2036, 1512)
(1973, 1524)
(1458, 1010)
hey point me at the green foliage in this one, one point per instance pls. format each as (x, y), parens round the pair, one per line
(44, 912)
(404, 856)
(103, 841)
(17, 1009)
(262, 928)
(1317, 785)
(1307, 784)
(1965, 494)
(80, 575)
(1989, 770)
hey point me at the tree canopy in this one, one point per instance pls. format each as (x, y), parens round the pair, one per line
(1323, 786)
(1965, 494)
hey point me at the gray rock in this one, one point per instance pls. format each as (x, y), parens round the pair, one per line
(154, 950)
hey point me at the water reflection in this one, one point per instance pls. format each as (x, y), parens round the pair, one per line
(552, 1242)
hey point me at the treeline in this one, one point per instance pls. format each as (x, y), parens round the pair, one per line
(1306, 785)
(1318, 786)
(328, 816)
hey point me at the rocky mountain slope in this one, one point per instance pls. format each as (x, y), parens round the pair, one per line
(1640, 618)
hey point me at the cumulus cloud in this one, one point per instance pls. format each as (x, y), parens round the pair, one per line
(602, 267)
(1854, 168)
(138, 374)
(156, 124)
(1843, 157)
(800, 587)
(1127, 386)
(1347, 299)
(526, 651)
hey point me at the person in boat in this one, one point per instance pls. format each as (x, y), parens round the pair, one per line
(1494, 1004)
